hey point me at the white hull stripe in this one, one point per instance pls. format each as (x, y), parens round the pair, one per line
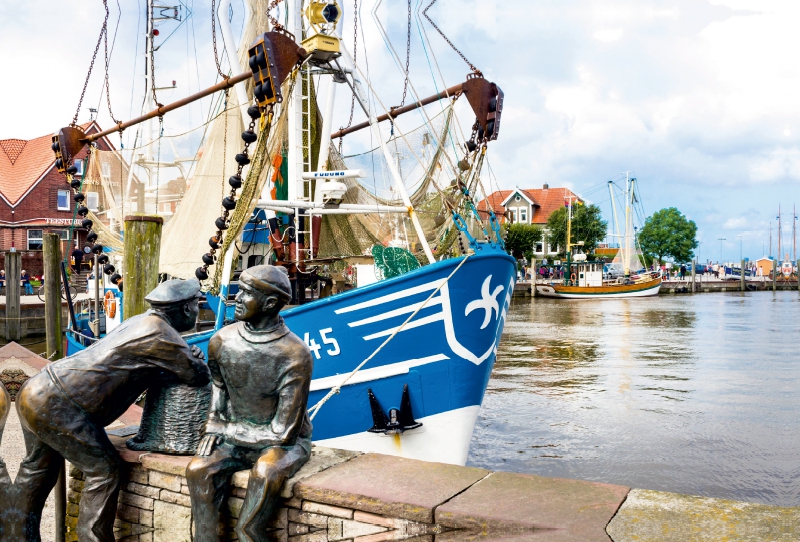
(376, 373)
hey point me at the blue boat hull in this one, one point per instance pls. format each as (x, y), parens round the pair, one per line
(444, 354)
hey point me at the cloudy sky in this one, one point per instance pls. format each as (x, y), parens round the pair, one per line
(700, 100)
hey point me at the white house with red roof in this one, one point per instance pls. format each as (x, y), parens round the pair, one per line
(528, 206)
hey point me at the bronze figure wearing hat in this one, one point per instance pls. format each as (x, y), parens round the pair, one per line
(261, 374)
(64, 408)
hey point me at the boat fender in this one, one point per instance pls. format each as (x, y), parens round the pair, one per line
(110, 304)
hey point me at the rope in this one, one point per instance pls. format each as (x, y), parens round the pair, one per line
(335, 390)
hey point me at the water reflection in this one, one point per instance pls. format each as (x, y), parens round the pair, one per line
(692, 394)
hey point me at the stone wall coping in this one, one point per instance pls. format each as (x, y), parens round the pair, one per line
(344, 484)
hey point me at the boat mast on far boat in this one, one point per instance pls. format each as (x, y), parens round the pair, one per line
(587, 279)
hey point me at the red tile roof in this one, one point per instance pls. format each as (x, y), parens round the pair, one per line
(22, 163)
(546, 201)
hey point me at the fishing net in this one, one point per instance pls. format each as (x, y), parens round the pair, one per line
(393, 261)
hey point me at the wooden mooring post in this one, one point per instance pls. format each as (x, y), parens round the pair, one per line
(741, 278)
(694, 272)
(775, 274)
(13, 268)
(798, 275)
(54, 339)
(52, 296)
(142, 247)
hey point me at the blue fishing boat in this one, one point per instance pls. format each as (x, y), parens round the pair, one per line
(405, 339)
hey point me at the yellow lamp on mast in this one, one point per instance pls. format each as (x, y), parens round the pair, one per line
(322, 15)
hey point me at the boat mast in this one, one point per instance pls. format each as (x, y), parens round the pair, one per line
(794, 233)
(569, 226)
(779, 230)
(626, 255)
(614, 209)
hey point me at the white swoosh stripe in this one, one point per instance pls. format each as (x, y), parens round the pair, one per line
(392, 297)
(438, 317)
(397, 312)
(376, 373)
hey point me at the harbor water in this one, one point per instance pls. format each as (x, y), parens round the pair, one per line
(689, 394)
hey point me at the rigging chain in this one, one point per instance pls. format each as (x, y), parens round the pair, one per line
(91, 65)
(450, 43)
(355, 56)
(153, 64)
(273, 21)
(408, 55)
(108, 92)
(214, 37)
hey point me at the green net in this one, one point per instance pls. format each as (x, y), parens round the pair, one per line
(393, 261)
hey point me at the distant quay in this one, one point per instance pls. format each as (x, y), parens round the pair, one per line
(525, 288)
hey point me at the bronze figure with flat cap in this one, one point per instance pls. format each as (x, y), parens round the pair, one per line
(64, 408)
(261, 375)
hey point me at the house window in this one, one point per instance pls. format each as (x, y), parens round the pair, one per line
(523, 215)
(62, 234)
(539, 248)
(92, 200)
(63, 200)
(78, 163)
(105, 170)
(35, 239)
(514, 215)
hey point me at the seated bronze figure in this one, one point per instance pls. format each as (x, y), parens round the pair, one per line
(64, 408)
(261, 374)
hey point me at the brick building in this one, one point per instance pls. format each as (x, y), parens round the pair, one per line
(35, 198)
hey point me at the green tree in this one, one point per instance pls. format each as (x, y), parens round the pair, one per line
(667, 233)
(521, 238)
(587, 226)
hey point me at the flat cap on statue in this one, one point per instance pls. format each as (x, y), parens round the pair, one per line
(269, 280)
(174, 291)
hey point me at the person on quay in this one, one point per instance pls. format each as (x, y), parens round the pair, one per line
(25, 278)
(261, 375)
(63, 409)
(2, 280)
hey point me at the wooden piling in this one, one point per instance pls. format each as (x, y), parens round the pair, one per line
(741, 278)
(13, 269)
(52, 296)
(142, 247)
(694, 271)
(798, 275)
(55, 350)
(775, 274)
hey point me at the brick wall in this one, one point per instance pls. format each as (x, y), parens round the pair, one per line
(154, 506)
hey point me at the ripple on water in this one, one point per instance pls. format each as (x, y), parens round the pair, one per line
(690, 394)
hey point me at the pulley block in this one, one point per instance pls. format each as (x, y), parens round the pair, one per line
(272, 56)
(486, 100)
(67, 143)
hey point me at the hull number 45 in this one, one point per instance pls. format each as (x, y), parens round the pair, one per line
(316, 347)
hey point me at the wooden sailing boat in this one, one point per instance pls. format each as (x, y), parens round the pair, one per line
(583, 279)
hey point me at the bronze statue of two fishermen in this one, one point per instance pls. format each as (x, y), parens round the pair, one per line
(260, 374)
